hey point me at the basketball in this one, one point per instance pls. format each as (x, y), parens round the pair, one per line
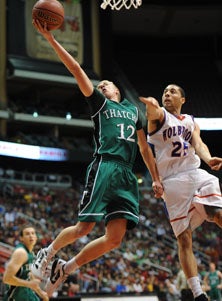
(49, 11)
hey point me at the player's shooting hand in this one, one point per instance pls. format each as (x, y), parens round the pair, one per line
(42, 28)
(215, 163)
(158, 189)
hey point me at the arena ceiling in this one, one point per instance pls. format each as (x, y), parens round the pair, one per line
(158, 18)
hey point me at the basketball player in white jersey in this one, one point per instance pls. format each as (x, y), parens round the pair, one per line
(191, 195)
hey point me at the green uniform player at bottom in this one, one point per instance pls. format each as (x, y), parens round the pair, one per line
(212, 283)
(19, 282)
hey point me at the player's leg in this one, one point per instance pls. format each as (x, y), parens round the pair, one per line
(189, 264)
(209, 194)
(90, 211)
(112, 238)
(65, 237)
(185, 253)
(70, 234)
(214, 214)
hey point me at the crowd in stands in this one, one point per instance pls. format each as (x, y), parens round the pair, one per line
(66, 142)
(51, 107)
(143, 263)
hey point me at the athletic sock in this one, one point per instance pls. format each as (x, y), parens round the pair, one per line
(194, 284)
(50, 251)
(71, 266)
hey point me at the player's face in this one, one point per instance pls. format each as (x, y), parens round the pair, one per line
(172, 99)
(108, 89)
(29, 236)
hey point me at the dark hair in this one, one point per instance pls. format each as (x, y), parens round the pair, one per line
(25, 226)
(182, 92)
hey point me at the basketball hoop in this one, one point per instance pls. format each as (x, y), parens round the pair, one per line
(118, 4)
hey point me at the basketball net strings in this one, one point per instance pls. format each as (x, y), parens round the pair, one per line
(118, 4)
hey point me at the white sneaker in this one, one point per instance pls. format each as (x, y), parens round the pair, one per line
(39, 266)
(57, 276)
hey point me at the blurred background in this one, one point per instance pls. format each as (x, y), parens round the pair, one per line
(46, 132)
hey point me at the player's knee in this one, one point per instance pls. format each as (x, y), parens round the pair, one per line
(214, 214)
(83, 229)
(114, 241)
(218, 217)
(115, 244)
(184, 240)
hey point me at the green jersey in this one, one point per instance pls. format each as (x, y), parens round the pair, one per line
(214, 281)
(111, 189)
(115, 126)
(21, 293)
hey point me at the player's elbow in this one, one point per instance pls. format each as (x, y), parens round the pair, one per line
(5, 278)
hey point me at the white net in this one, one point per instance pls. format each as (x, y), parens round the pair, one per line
(118, 4)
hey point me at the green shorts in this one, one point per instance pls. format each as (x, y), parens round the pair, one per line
(111, 192)
(20, 294)
(214, 294)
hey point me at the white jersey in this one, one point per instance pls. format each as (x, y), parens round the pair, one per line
(172, 145)
(187, 188)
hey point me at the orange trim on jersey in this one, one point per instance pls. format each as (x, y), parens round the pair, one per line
(182, 217)
(180, 117)
(207, 196)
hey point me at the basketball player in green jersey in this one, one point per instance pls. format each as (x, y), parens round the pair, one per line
(111, 189)
(212, 281)
(20, 284)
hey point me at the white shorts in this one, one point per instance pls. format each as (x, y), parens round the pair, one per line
(186, 193)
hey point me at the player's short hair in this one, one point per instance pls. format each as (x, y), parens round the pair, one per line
(25, 226)
(182, 91)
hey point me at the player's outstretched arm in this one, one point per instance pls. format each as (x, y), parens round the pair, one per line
(71, 64)
(150, 162)
(203, 152)
(149, 101)
(153, 110)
